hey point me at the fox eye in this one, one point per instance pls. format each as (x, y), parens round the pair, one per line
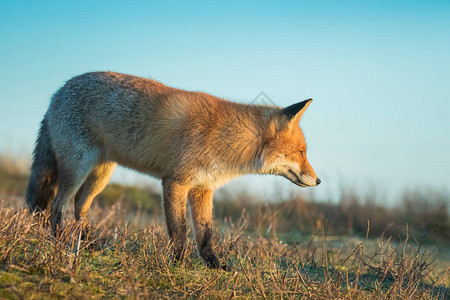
(301, 152)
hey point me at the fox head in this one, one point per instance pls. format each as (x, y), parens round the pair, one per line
(284, 150)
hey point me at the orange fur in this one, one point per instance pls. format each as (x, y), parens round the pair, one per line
(195, 142)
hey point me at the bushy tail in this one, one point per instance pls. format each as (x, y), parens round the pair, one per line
(44, 178)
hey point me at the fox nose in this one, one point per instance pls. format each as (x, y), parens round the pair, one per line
(318, 181)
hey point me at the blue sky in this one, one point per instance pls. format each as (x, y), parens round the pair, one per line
(379, 73)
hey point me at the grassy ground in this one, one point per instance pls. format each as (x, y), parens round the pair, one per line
(118, 259)
(290, 249)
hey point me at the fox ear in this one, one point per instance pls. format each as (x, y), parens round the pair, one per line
(296, 110)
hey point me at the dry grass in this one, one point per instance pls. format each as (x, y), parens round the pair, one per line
(275, 250)
(117, 259)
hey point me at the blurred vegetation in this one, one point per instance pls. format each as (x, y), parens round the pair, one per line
(146, 199)
(13, 177)
(425, 212)
(296, 248)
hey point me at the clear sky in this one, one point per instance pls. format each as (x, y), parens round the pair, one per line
(378, 71)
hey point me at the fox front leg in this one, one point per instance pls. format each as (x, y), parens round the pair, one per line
(200, 200)
(175, 199)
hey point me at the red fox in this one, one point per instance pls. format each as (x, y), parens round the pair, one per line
(193, 141)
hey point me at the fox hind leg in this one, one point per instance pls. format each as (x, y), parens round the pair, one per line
(93, 185)
(72, 173)
(201, 203)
